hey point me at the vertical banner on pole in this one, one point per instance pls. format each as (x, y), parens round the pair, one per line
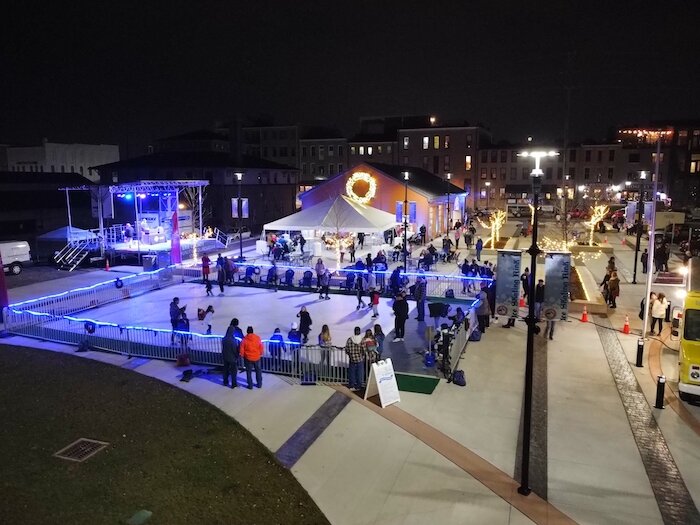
(234, 208)
(399, 211)
(557, 271)
(244, 208)
(508, 283)
(412, 212)
(175, 252)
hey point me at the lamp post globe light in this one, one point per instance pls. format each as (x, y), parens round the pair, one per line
(488, 191)
(534, 251)
(239, 177)
(405, 220)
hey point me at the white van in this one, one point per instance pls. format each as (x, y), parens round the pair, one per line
(14, 255)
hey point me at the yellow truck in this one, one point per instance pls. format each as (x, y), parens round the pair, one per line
(689, 352)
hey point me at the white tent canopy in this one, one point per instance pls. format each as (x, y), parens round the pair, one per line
(337, 214)
(67, 234)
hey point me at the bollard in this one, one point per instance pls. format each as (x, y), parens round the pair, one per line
(660, 387)
(640, 352)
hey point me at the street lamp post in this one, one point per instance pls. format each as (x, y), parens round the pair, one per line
(534, 251)
(640, 218)
(447, 178)
(239, 177)
(405, 220)
(488, 191)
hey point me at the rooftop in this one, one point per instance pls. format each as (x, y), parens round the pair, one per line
(194, 159)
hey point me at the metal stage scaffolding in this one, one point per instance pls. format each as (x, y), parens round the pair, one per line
(168, 193)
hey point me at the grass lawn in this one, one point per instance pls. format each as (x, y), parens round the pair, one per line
(170, 452)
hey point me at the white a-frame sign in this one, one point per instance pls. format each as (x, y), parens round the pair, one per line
(382, 381)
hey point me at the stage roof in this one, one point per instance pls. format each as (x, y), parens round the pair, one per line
(340, 213)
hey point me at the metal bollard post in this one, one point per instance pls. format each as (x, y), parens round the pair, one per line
(660, 387)
(640, 352)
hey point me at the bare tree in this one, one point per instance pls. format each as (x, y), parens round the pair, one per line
(190, 198)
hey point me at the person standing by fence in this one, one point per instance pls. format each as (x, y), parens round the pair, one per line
(229, 352)
(325, 341)
(252, 351)
(356, 357)
(276, 346)
(400, 308)
(174, 316)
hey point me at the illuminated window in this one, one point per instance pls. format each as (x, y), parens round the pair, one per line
(653, 158)
(369, 150)
(694, 166)
(514, 156)
(483, 173)
(352, 150)
(548, 196)
(379, 150)
(436, 142)
(468, 162)
(494, 174)
(405, 143)
(447, 142)
(362, 150)
(502, 192)
(426, 142)
(388, 148)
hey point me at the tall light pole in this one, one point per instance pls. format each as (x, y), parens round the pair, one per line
(405, 220)
(448, 176)
(534, 251)
(488, 191)
(640, 219)
(239, 177)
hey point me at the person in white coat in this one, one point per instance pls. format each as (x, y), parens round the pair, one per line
(658, 312)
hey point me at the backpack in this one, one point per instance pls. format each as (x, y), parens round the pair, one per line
(449, 293)
(458, 378)
(475, 335)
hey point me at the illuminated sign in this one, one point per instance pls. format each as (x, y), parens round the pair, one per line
(361, 176)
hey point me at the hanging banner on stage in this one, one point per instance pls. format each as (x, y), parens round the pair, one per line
(557, 271)
(234, 208)
(175, 253)
(508, 283)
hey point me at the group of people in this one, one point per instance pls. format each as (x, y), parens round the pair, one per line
(611, 284)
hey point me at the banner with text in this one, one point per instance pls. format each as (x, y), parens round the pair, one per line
(557, 271)
(508, 282)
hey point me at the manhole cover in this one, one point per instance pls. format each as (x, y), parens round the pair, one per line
(81, 450)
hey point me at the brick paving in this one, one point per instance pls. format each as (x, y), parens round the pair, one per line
(672, 496)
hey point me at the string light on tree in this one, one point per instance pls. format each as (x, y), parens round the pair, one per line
(598, 213)
(361, 176)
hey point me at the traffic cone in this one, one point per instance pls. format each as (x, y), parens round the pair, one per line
(606, 240)
(626, 328)
(521, 304)
(623, 242)
(106, 265)
(584, 316)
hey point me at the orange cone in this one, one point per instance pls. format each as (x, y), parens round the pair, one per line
(521, 304)
(106, 265)
(584, 316)
(624, 241)
(626, 328)
(606, 240)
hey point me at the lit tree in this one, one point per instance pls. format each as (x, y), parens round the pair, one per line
(190, 198)
(598, 213)
(496, 221)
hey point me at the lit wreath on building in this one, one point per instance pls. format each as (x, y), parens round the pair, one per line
(361, 176)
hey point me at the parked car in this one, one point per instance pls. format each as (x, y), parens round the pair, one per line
(617, 214)
(519, 210)
(680, 232)
(579, 213)
(14, 255)
(484, 212)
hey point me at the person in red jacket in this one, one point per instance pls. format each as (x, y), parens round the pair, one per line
(252, 351)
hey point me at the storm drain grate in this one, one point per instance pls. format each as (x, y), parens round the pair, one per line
(81, 450)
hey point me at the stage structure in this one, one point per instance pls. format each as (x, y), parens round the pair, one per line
(154, 204)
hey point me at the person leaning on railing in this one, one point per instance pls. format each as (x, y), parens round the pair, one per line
(356, 356)
(325, 341)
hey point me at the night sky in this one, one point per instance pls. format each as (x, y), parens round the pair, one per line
(135, 71)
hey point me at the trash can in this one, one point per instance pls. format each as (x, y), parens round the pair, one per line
(668, 312)
(150, 263)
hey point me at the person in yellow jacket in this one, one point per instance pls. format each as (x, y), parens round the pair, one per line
(251, 351)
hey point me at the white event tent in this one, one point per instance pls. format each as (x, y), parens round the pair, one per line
(340, 214)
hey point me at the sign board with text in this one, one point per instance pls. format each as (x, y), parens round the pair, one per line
(382, 381)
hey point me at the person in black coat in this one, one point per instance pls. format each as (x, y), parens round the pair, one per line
(229, 350)
(539, 298)
(400, 308)
(304, 323)
(645, 260)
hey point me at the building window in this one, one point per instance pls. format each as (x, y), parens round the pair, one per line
(572, 155)
(362, 150)
(503, 174)
(653, 158)
(331, 169)
(634, 157)
(560, 173)
(586, 173)
(483, 173)
(53, 168)
(588, 155)
(513, 173)
(321, 170)
(514, 156)
(504, 156)
(696, 139)
(340, 151)
(313, 169)
(446, 163)
(494, 156)
(447, 142)
(694, 166)
(611, 155)
(682, 137)
(352, 150)
(572, 173)
(379, 150)
(331, 151)
(313, 152)
(405, 143)
(425, 162)
(469, 141)
(303, 168)
(484, 156)
(426, 142)
(548, 173)
(524, 174)
(340, 167)
(388, 148)
(283, 151)
(369, 150)
(468, 162)
(494, 173)
(436, 142)
(610, 173)
(293, 151)
(405, 160)
(600, 155)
